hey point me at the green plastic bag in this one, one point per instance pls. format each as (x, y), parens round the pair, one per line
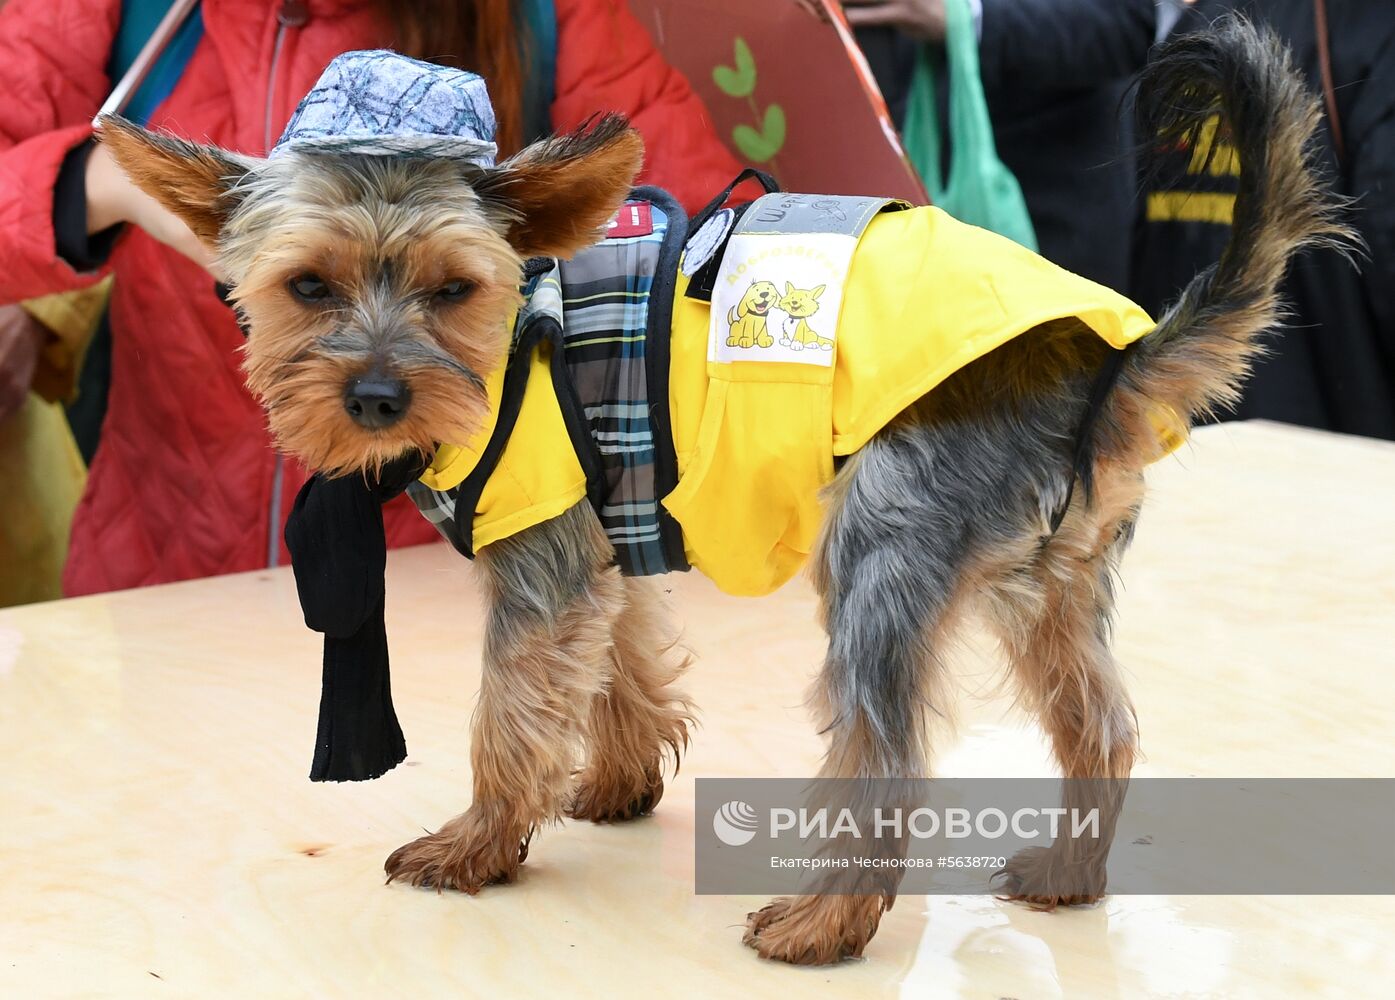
(981, 190)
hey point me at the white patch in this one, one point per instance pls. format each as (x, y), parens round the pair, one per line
(704, 243)
(778, 297)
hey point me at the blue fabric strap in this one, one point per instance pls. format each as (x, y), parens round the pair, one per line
(139, 19)
(540, 86)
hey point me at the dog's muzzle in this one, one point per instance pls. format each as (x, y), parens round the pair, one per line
(376, 401)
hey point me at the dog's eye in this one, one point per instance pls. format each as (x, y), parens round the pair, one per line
(455, 291)
(309, 288)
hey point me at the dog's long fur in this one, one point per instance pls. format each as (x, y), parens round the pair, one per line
(948, 510)
(1199, 355)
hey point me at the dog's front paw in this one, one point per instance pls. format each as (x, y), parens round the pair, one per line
(814, 930)
(1039, 877)
(466, 854)
(610, 801)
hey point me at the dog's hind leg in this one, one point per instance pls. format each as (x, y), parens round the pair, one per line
(639, 719)
(889, 567)
(553, 597)
(1053, 614)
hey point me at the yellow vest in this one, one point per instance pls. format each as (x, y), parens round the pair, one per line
(756, 441)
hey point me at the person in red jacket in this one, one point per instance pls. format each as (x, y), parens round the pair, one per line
(185, 483)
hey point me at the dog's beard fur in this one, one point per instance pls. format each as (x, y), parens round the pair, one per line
(386, 235)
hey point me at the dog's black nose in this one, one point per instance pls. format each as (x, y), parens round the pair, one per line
(376, 400)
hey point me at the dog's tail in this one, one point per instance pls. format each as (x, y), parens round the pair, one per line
(1202, 349)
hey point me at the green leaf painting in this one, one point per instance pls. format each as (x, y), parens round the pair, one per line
(762, 140)
(762, 146)
(739, 80)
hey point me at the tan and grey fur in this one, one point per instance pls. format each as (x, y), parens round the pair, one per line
(947, 511)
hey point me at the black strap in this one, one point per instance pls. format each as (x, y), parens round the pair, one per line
(1083, 463)
(471, 488)
(704, 280)
(770, 184)
(657, 351)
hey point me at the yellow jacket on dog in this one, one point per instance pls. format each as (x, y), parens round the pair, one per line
(752, 441)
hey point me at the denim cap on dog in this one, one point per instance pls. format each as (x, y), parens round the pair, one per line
(385, 103)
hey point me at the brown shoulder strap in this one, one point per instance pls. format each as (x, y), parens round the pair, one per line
(1329, 92)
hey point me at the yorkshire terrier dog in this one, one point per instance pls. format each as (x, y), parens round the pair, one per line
(380, 292)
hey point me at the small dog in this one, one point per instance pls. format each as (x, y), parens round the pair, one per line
(408, 268)
(749, 319)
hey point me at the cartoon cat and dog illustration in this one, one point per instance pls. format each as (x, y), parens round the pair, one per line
(748, 320)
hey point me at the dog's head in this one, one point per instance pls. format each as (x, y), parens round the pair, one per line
(760, 298)
(378, 288)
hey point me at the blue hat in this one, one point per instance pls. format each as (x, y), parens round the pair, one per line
(384, 103)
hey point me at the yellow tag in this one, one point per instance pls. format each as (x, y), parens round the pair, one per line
(1170, 428)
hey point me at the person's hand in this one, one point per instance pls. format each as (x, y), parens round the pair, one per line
(921, 19)
(21, 339)
(113, 198)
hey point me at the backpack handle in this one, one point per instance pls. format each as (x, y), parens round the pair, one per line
(770, 184)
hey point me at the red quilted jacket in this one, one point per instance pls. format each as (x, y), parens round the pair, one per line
(185, 483)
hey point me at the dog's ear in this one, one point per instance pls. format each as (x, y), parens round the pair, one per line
(556, 195)
(789, 289)
(191, 181)
(817, 292)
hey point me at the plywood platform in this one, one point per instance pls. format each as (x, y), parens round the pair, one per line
(158, 836)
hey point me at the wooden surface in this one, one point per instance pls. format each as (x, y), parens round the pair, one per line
(158, 836)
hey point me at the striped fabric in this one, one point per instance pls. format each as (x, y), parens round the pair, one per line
(605, 303)
(437, 506)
